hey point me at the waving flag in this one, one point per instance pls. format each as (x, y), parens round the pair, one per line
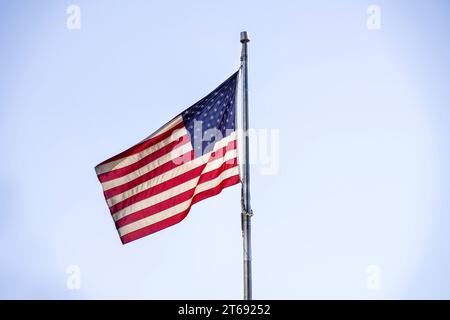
(153, 184)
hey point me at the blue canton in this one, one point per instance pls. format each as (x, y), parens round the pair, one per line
(213, 117)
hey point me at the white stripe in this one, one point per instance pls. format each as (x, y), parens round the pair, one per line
(126, 161)
(174, 154)
(165, 214)
(172, 192)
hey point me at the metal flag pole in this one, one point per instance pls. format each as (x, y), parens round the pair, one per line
(246, 207)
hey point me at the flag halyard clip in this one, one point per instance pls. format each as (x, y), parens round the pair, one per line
(247, 213)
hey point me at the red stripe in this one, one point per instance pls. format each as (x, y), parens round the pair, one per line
(149, 175)
(180, 216)
(117, 173)
(144, 144)
(173, 201)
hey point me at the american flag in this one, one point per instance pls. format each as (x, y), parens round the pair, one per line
(153, 184)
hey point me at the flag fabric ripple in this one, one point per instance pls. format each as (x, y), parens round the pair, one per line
(153, 184)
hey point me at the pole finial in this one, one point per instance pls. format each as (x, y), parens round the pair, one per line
(244, 37)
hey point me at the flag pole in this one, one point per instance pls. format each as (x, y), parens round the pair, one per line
(246, 207)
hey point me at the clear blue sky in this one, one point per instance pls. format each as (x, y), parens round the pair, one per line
(364, 123)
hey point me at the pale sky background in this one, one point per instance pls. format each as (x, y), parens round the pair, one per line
(364, 123)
